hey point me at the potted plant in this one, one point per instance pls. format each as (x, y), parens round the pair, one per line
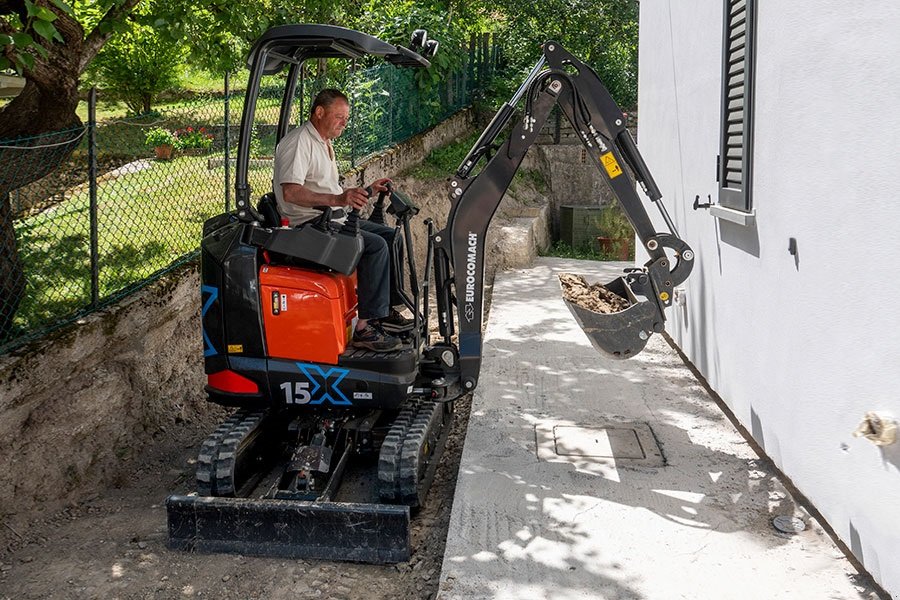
(163, 141)
(616, 233)
(193, 141)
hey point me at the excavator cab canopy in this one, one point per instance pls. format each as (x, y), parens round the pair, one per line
(290, 46)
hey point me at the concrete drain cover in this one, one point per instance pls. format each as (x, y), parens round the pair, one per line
(620, 443)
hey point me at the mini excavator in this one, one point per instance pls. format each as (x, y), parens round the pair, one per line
(278, 307)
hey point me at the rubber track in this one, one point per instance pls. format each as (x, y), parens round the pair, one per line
(215, 462)
(418, 448)
(389, 456)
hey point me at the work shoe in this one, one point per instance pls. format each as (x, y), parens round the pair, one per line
(395, 322)
(372, 337)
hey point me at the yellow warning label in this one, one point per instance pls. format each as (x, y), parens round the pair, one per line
(235, 348)
(611, 165)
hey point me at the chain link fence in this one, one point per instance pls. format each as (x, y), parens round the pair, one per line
(91, 214)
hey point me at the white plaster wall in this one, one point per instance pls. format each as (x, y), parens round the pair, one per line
(799, 348)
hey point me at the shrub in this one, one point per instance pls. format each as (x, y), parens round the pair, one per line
(136, 65)
(160, 137)
(613, 223)
(193, 138)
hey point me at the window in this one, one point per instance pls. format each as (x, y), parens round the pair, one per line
(736, 148)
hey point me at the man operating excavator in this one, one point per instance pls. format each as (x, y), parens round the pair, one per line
(307, 180)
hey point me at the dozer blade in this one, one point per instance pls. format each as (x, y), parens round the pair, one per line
(370, 533)
(621, 334)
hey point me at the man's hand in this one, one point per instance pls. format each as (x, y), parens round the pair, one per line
(354, 198)
(380, 185)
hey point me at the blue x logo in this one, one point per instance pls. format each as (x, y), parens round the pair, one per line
(325, 384)
(213, 292)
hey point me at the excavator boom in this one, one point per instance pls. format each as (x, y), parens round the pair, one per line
(560, 79)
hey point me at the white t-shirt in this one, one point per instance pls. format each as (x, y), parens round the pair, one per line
(303, 157)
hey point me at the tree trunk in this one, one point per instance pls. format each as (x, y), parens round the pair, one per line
(47, 103)
(12, 279)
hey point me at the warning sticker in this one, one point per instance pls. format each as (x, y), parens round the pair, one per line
(611, 165)
(235, 348)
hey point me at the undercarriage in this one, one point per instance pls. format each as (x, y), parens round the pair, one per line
(320, 471)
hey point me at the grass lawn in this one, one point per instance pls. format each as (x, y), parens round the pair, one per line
(147, 219)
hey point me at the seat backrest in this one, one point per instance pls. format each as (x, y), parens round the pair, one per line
(268, 208)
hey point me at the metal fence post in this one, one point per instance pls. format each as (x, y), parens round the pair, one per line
(227, 143)
(92, 187)
(391, 91)
(353, 125)
(470, 72)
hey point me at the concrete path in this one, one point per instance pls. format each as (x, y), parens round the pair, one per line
(558, 496)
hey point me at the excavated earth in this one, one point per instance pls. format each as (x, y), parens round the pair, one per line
(595, 297)
(112, 544)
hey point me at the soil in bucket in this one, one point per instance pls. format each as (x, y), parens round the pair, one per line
(595, 297)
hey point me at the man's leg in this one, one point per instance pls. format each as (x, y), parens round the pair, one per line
(388, 234)
(373, 295)
(394, 321)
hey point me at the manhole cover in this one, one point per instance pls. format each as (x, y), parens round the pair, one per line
(603, 442)
(787, 524)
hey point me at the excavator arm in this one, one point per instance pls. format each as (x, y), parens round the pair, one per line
(561, 79)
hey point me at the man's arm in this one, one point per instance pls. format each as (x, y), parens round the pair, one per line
(300, 195)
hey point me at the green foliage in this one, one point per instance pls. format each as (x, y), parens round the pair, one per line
(190, 138)
(533, 177)
(602, 33)
(135, 66)
(587, 251)
(160, 137)
(613, 223)
(31, 35)
(139, 236)
(396, 23)
(442, 162)
(561, 249)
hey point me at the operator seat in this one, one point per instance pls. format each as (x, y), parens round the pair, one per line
(268, 208)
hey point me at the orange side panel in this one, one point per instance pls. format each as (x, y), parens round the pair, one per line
(307, 314)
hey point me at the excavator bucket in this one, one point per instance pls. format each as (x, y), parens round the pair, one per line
(620, 334)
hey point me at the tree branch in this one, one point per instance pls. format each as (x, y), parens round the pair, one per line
(6, 28)
(94, 41)
(8, 7)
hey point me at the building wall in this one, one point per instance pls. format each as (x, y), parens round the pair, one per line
(800, 347)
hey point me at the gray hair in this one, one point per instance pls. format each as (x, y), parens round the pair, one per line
(326, 98)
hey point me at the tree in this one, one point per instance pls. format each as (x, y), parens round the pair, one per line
(602, 33)
(137, 65)
(51, 44)
(44, 41)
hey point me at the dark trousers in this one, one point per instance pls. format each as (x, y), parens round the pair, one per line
(373, 288)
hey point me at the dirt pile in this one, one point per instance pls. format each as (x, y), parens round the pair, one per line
(595, 297)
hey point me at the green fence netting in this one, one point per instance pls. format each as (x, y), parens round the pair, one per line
(81, 228)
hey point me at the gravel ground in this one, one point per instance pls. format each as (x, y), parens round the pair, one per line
(114, 544)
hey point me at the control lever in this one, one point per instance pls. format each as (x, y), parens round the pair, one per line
(351, 225)
(321, 223)
(377, 215)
